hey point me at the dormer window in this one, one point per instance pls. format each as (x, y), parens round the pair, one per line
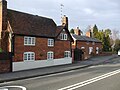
(63, 36)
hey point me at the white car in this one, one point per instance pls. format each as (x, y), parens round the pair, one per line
(118, 52)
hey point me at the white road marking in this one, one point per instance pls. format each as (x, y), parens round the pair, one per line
(84, 83)
(21, 87)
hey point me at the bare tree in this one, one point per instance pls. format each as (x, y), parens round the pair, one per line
(115, 34)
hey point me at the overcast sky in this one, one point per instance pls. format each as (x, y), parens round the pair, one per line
(82, 13)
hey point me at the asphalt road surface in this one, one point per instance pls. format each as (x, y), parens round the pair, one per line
(100, 77)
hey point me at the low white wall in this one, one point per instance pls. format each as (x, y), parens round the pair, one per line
(17, 66)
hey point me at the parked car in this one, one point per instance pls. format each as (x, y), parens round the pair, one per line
(118, 52)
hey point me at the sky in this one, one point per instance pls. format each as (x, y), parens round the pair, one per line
(81, 13)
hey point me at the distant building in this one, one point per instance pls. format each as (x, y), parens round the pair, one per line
(89, 46)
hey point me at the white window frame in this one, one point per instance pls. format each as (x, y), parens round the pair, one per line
(29, 56)
(82, 47)
(50, 55)
(93, 43)
(90, 50)
(67, 54)
(29, 41)
(51, 42)
(63, 36)
(63, 29)
(97, 50)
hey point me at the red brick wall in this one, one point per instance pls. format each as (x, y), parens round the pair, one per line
(5, 62)
(61, 47)
(0, 20)
(3, 15)
(40, 49)
(4, 66)
(87, 45)
(3, 26)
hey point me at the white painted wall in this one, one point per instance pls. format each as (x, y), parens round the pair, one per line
(25, 65)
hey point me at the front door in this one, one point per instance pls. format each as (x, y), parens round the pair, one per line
(78, 54)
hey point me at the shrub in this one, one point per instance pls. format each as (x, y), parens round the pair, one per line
(0, 50)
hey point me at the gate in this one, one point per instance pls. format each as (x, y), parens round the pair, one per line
(78, 53)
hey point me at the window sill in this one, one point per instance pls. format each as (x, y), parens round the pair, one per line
(63, 39)
(67, 57)
(28, 45)
(50, 59)
(50, 46)
(28, 60)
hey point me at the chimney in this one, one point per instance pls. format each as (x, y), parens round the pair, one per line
(89, 33)
(78, 31)
(3, 25)
(3, 14)
(65, 21)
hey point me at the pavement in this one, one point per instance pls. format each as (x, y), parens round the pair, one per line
(18, 75)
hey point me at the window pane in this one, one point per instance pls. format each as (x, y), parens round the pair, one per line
(25, 40)
(65, 36)
(33, 40)
(61, 36)
(25, 56)
(29, 40)
(51, 55)
(51, 42)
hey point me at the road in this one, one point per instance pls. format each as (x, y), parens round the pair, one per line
(100, 77)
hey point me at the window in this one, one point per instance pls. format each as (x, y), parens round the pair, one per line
(82, 47)
(63, 36)
(29, 40)
(67, 54)
(90, 50)
(50, 42)
(93, 43)
(50, 55)
(63, 29)
(28, 56)
(97, 50)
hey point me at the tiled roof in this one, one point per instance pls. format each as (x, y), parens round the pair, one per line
(59, 29)
(85, 38)
(27, 24)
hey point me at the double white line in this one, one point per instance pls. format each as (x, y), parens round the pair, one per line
(81, 84)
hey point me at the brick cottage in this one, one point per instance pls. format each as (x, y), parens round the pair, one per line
(89, 46)
(35, 41)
